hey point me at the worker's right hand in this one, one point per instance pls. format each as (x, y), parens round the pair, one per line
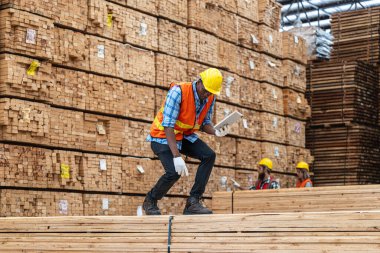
(223, 131)
(180, 166)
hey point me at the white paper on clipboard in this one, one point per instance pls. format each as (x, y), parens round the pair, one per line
(229, 120)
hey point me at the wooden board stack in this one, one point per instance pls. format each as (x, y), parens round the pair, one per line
(343, 133)
(81, 82)
(356, 35)
(317, 199)
(343, 92)
(307, 231)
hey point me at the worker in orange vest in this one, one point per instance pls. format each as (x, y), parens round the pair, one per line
(265, 180)
(303, 175)
(187, 109)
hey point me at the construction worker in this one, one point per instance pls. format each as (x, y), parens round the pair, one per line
(187, 108)
(265, 180)
(303, 175)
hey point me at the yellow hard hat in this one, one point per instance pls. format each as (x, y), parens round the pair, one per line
(303, 165)
(266, 162)
(212, 80)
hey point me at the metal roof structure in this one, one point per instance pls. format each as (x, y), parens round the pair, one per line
(317, 12)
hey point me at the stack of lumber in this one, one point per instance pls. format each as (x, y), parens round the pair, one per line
(317, 199)
(279, 232)
(81, 82)
(341, 92)
(347, 154)
(343, 133)
(356, 35)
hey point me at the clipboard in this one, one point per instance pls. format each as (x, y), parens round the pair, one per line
(229, 120)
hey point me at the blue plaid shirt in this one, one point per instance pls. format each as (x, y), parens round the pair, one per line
(171, 112)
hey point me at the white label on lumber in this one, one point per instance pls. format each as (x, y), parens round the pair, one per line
(251, 65)
(140, 169)
(101, 51)
(274, 93)
(143, 28)
(275, 122)
(271, 64)
(297, 70)
(297, 128)
(100, 129)
(229, 80)
(228, 91)
(296, 39)
(276, 152)
(226, 112)
(139, 211)
(223, 181)
(254, 39)
(270, 38)
(31, 36)
(103, 164)
(299, 99)
(63, 206)
(105, 203)
(245, 123)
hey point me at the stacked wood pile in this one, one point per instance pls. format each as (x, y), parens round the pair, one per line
(310, 231)
(317, 199)
(356, 35)
(81, 82)
(343, 132)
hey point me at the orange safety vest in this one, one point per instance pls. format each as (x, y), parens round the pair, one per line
(186, 123)
(303, 184)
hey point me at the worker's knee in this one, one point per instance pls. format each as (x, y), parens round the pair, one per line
(172, 176)
(210, 155)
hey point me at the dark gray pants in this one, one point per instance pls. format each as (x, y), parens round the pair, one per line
(198, 150)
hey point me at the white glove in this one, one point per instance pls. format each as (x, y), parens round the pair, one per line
(180, 166)
(236, 184)
(222, 131)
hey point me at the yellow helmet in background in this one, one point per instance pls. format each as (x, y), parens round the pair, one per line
(212, 80)
(302, 165)
(266, 162)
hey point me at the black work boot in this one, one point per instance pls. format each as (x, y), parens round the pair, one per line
(194, 206)
(150, 206)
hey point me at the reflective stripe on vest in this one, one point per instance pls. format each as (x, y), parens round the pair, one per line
(186, 122)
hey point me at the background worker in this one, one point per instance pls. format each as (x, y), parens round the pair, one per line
(187, 108)
(265, 180)
(303, 175)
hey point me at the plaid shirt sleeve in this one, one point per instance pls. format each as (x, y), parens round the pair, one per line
(207, 120)
(172, 107)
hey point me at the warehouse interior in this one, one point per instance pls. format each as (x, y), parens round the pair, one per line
(83, 83)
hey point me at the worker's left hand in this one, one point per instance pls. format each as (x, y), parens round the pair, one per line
(223, 131)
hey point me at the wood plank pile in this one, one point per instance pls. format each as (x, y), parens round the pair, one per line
(343, 132)
(81, 82)
(317, 199)
(357, 35)
(345, 154)
(342, 92)
(310, 231)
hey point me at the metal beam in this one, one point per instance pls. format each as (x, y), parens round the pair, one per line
(308, 20)
(320, 6)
